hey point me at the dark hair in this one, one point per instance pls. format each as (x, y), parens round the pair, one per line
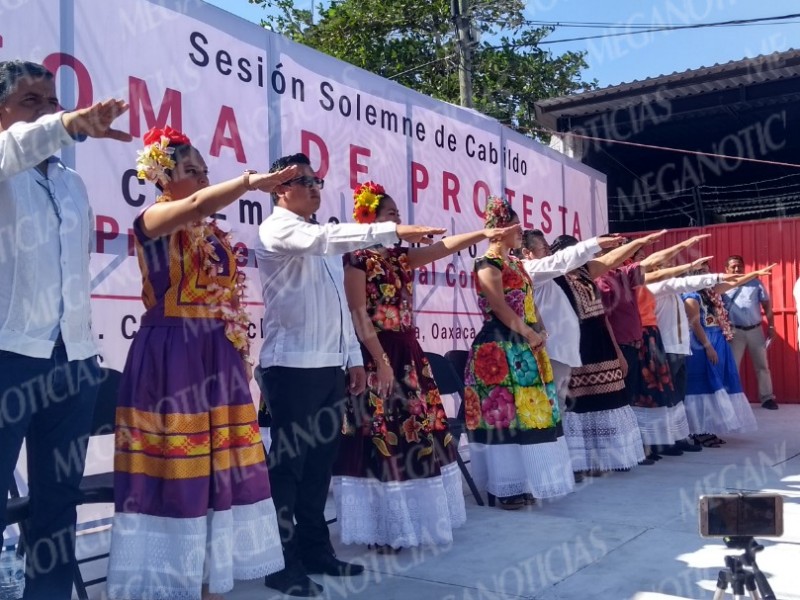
(734, 257)
(531, 234)
(563, 241)
(288, 161)
(12, 71)
(179, 152)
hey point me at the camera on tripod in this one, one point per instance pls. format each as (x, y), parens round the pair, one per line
(737, 518)
(741, 515)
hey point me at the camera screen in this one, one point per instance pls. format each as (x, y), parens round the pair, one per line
(734, 515)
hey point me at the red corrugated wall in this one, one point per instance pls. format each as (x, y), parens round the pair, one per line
(761, 243)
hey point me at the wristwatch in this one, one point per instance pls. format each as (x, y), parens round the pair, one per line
(246, 179)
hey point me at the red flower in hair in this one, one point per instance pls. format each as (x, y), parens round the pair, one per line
(175, 137)
(367, 197)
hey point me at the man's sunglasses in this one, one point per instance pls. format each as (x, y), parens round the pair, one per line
(307, 181)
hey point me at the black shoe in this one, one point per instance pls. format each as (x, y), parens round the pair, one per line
(578, 476)
(670, 450)
(687, 447)
(293, 582)
(769, 405)
(653, 456)
(330, 565)
(646, 462)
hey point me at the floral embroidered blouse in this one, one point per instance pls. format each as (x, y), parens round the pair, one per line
(517, 288)
(390, 284)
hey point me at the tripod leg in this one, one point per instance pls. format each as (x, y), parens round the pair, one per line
(752, 588)
(722, 585)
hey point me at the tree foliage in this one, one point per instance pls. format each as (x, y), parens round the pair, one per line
(414, 42)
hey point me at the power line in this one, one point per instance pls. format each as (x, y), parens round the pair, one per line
(678, 150)
(430, 62)
(637, 29)
(609, 25)
(650, 30)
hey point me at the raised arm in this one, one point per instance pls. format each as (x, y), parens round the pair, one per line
(690, 283)
(25, 145)
(742, 279)
(614, 258)
(668, 272)
(491, 281)
(164, 218)
(424, 255)
(662, 256)
(565, 260)
(297, 237)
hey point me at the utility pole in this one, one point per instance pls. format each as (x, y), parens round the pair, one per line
(463, 23)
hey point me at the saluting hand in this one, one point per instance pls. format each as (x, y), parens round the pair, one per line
(96, 120)
(418, 233)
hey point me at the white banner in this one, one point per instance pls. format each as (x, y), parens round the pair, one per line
(246, 96)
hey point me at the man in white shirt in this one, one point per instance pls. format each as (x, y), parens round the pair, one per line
(309, 342)
(48, 366)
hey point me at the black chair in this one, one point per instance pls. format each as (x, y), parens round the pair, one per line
(450, 382)
(17, 512)
(458, 358)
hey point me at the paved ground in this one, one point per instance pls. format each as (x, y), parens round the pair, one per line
(627, 536)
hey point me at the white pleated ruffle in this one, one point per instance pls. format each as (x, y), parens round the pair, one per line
(654, 425)
(604, 440)
(719, 412)
(543, 470)
(163, 558)
(678, 422)
(743, 410)
(400, 514)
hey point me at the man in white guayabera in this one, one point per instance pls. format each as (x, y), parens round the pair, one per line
(48, 366)
(309, 344)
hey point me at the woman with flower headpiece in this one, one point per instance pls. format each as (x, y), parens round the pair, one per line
(192, 495)
(715, 401)
(396, 480)
(517, 446)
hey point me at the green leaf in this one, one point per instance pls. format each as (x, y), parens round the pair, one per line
(381, 446)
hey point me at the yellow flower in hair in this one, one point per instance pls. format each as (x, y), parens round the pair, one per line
(367, 198)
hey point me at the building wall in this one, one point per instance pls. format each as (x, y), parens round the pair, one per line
(761, 243)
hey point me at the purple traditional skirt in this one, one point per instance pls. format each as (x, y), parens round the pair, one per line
(191, 487)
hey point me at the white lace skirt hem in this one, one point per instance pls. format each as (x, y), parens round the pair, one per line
(719, 412)
(654, 425)
(543, 470)
(603, 440)
(163, 558)
(400, 514)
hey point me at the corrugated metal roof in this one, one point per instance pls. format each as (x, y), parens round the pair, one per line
(692, 82)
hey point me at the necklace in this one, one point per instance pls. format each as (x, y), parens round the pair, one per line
(228, 300)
